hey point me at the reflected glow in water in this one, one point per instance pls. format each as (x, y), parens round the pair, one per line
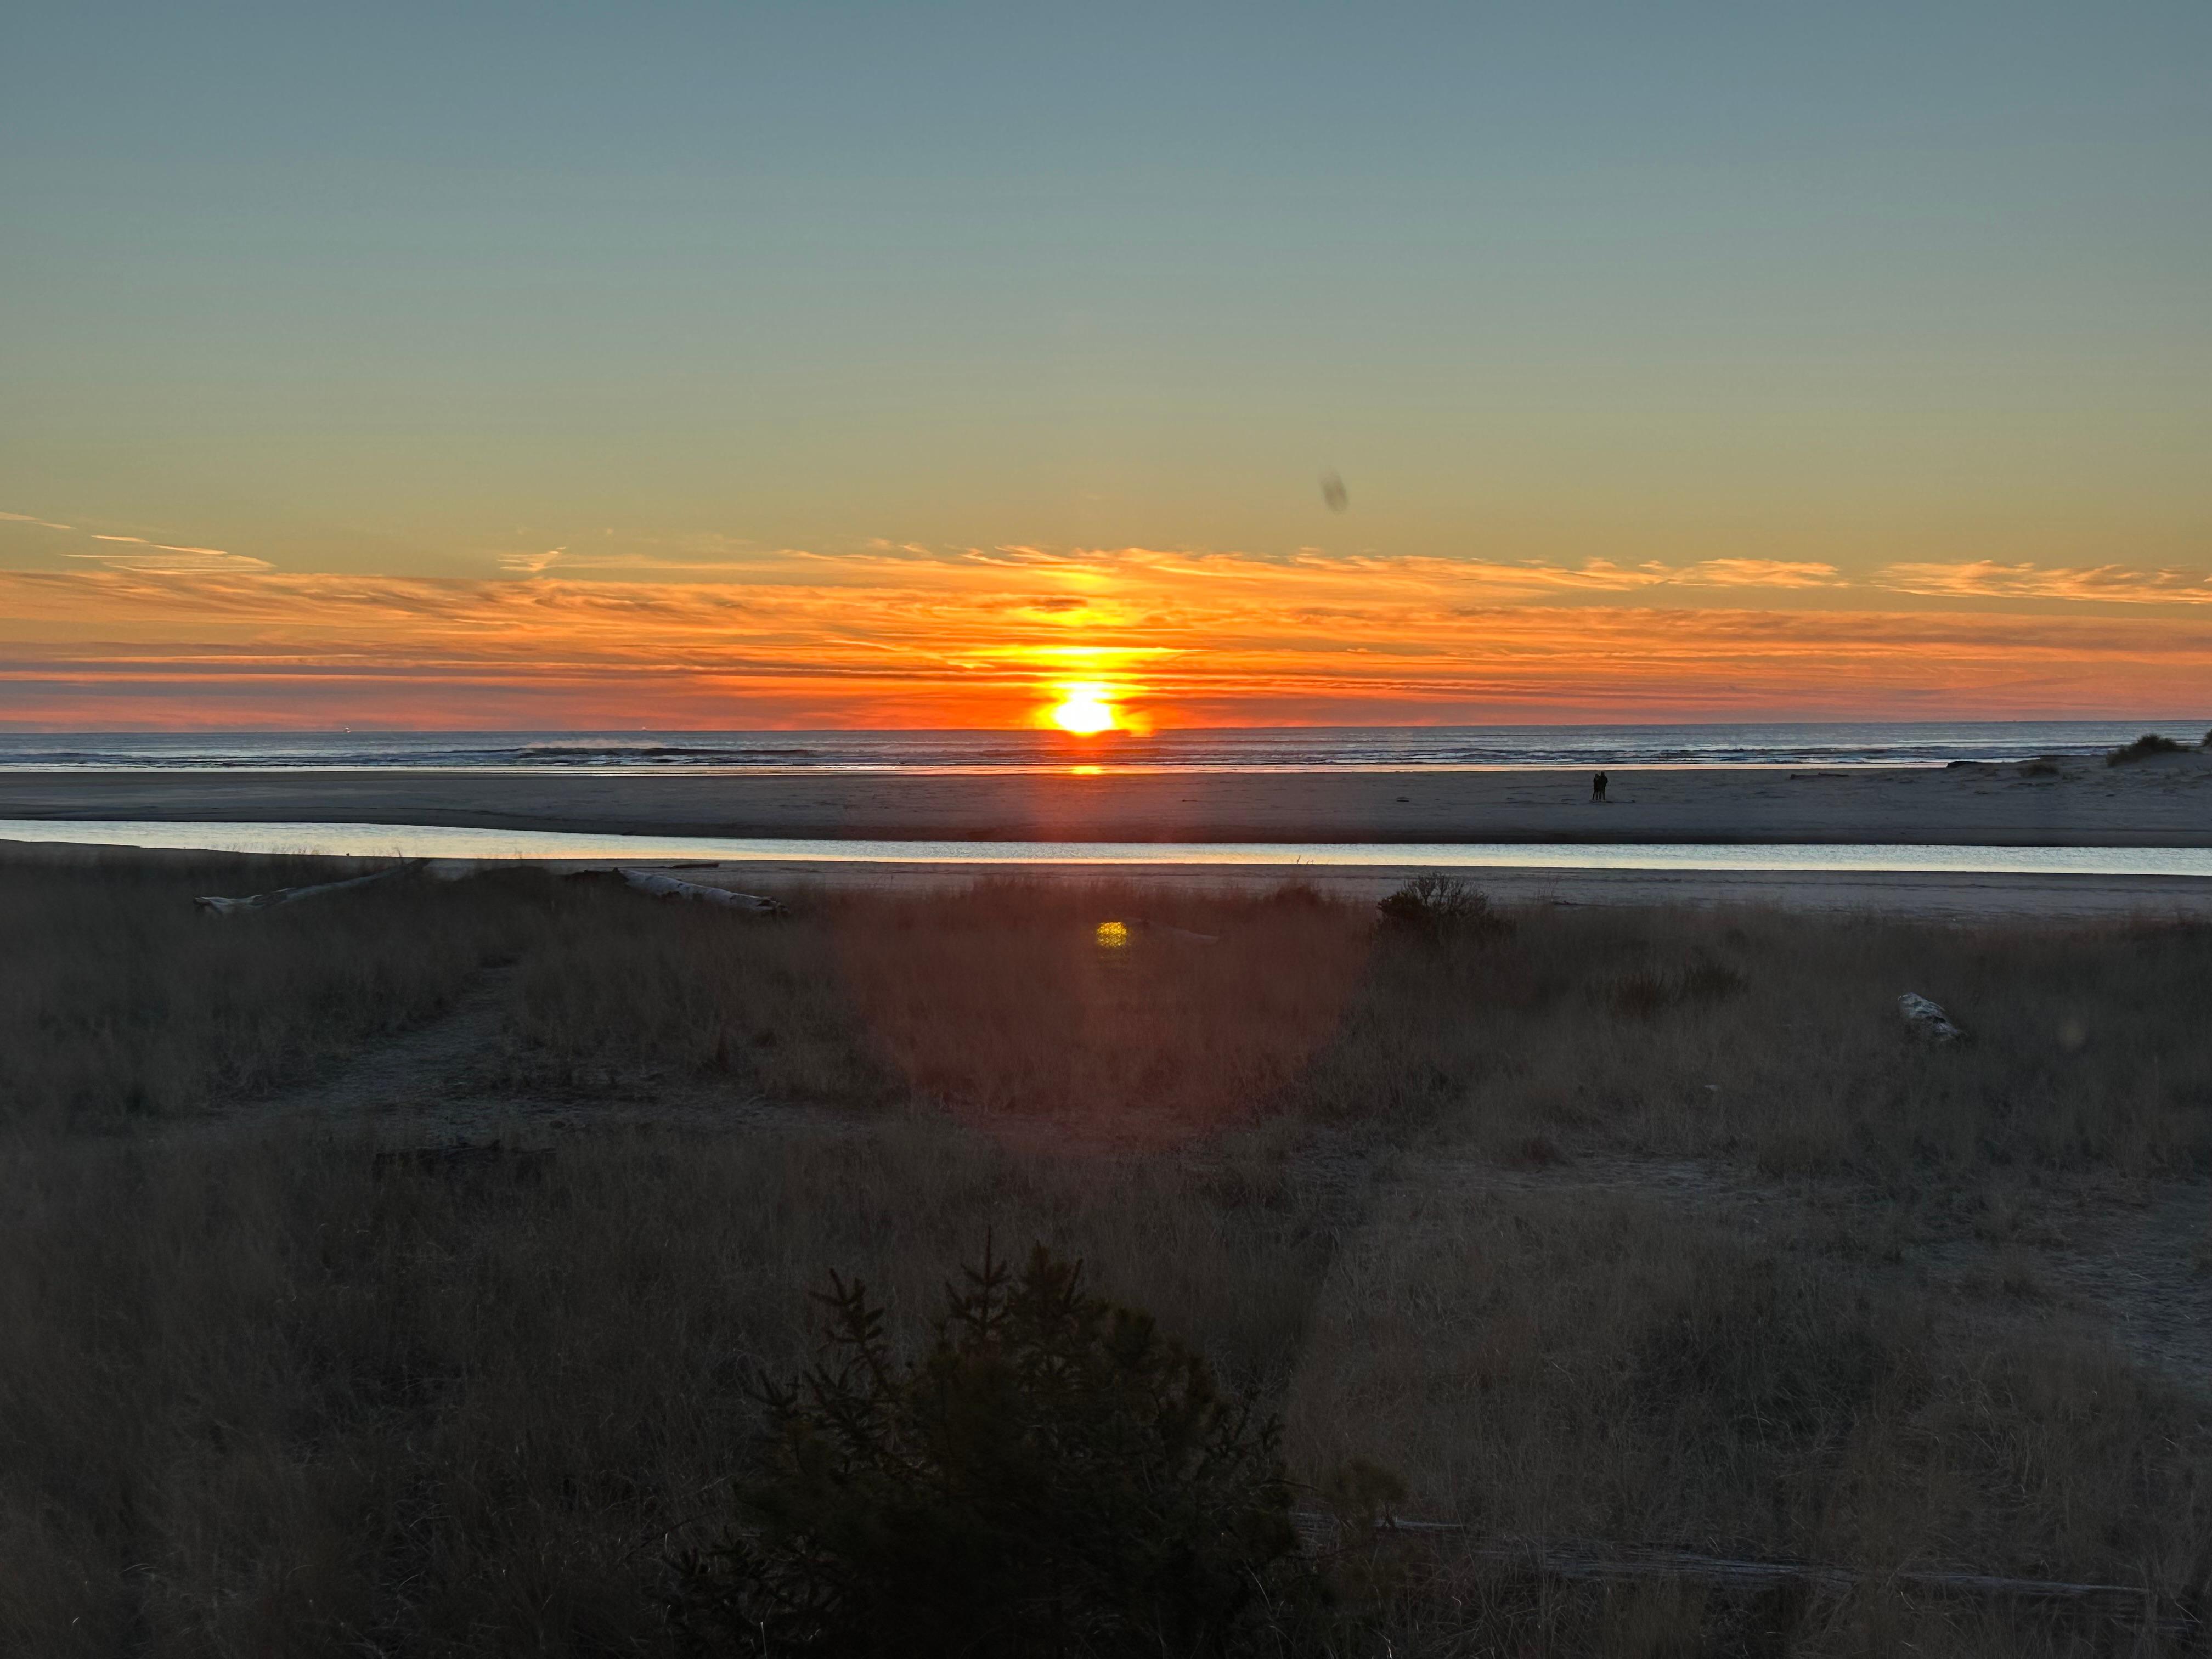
(441, 842)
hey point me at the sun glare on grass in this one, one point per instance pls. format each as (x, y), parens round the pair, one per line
(1085, 711)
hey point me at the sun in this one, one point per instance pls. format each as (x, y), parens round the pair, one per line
(1086, 711)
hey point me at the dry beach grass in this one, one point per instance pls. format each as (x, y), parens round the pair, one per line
(1650, 1228)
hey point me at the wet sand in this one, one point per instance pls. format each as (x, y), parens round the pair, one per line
(2163, 802)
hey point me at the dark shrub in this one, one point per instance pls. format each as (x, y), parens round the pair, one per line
(2141, 749)
(1053, 1476)
(1440, 905)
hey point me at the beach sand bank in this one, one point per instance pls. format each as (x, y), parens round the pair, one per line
(2162, 802)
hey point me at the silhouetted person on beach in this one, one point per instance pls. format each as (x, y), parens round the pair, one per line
(1597, 786)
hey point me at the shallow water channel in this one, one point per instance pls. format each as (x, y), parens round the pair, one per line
(444, 841)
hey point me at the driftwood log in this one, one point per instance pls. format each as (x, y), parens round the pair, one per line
(1181, 935)
(661, 886)
(237, 907)
(1926, 1018)
(1592, 1560)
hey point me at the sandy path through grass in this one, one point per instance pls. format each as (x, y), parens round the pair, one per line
(2131, 1261)
(436, 1083)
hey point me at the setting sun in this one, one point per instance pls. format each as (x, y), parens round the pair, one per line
(1087, 710)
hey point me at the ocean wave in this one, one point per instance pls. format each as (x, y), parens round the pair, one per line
(587, 753)
(1266, 749)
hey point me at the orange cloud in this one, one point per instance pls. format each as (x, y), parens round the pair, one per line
(896, 636)
(1602, 575)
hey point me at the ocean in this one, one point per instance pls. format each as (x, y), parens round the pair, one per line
(1277, 749)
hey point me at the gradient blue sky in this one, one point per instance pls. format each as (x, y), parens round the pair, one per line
(410, 291)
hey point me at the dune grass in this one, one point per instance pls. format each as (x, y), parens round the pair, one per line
(119, 999)
(1761, 1038)
(2143, 748)
(260, 1394)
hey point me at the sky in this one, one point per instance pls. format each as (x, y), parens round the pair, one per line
(699, 365)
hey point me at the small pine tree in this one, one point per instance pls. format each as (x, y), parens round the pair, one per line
(1053, 1476)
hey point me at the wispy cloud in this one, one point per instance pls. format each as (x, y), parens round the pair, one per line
(1460, 576)
(1987, 579)
(117, 551)
(1758, 573)
(165, 558)
(653, 564)
(1605, 576)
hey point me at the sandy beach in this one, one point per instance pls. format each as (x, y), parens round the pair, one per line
(2165, 801)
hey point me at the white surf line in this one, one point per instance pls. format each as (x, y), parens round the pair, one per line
(446, 841)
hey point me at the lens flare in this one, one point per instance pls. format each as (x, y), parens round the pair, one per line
(1085, 711)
